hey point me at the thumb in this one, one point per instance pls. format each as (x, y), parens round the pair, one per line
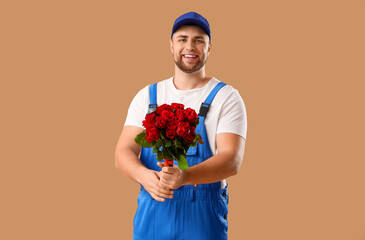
(160, 164)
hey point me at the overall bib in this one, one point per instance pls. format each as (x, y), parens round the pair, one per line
(194, 213)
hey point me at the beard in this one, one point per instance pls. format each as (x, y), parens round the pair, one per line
(189, 68)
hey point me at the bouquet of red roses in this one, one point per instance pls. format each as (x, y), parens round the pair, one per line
(170, 130)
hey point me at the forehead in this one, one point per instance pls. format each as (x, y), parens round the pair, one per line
(191, 31)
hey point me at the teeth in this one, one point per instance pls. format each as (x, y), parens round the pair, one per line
(190, 56)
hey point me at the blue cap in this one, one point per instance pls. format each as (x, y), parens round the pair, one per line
(191, 18)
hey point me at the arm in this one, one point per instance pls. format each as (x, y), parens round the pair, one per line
(223, 165)
(127, 161)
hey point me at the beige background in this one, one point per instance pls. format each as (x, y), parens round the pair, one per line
(69, 70)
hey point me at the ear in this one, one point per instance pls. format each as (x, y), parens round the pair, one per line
(171, 48)
(209, 47)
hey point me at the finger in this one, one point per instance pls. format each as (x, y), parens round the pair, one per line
(170, 177)
(160, 164)
(161, 192)
(165, 176)
(169, 170)
(156, 182)
(162, 188)
(165, 189)
(156, 197)
(160, 174)
(167, 184)
(157, 187)
(163, 195)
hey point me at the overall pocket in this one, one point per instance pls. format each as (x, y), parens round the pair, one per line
(220, 210)
(144, 216)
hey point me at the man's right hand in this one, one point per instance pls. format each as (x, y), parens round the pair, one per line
(126, 159)
(151, 182)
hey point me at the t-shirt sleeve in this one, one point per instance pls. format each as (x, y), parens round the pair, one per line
(137, 109)
(233, 118)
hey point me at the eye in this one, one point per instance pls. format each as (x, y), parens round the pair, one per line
(182, 40)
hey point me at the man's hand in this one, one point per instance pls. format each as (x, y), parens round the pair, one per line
(171, 177)
(151, 182)
(126, 159)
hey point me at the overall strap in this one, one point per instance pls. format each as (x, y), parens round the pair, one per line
(206, 104)
(153, 98)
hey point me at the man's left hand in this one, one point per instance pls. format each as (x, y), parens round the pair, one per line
(171, 177)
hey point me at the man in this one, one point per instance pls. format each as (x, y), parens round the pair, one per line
(191, 204)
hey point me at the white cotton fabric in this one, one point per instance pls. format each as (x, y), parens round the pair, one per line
(227, 113)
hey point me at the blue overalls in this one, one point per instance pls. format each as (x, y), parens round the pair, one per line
(194, 213)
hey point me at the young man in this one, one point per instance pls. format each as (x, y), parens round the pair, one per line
(191, 204)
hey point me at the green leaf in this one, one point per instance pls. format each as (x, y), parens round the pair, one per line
(166, 154)
(198, 139)
(140, 139)
(162, 136)
(159, 156)
(183, 164)
(158, 143)
(172, 152)
(180, 151)
(168, 143)
(155, 149)
(178, 143)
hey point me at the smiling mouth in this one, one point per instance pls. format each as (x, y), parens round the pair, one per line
(190, 55)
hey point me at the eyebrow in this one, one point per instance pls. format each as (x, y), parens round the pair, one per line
(185, 36)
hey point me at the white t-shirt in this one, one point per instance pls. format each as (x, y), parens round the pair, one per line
(227, 113)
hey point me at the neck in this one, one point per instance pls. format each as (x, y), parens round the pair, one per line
(187, 81)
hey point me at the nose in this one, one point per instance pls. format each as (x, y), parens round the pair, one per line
(190, 45)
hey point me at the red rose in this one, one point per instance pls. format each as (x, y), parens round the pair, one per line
(149, 120)
(180, 113)
(191, 130)
(189, 138)
(170, 133)
(172, 125)
(150, 117)
(162, 108)
(148, 124)
(181, 131)
(191, 115)
(177, 106)
(152, 134)
(175, 120)
(160, 122)
(186, 125)
(182, 128)
(167, 115)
